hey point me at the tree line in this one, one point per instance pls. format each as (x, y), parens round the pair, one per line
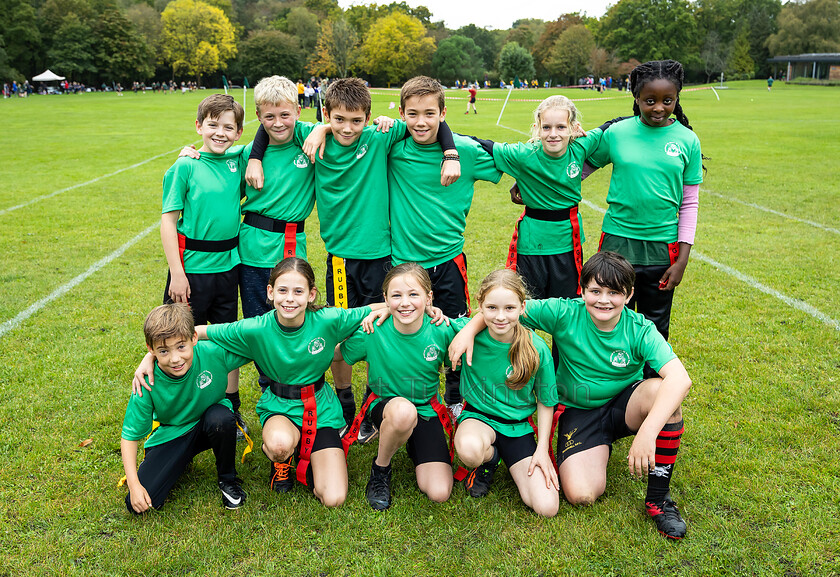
(96, 41)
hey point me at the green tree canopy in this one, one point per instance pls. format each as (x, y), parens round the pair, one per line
(73, 51)
(396, 48)
(20, 34)
(526, 32)
(490, 43)
(542, 49)
(268, 52)
(457, 57)
(808, 27)
(122, 53)
(303, 24)
(569, 58)
(336, 51)
(741, 65)
(196, 38)
(650, 30)
(515, 61)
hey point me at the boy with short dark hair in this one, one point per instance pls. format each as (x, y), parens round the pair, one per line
(427, 219)
(351, 190)
(200, 220)
(188, 400)
(603, 350)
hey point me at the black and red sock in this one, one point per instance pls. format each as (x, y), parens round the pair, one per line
(667, 445)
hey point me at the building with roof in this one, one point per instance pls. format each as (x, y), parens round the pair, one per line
(824, 66)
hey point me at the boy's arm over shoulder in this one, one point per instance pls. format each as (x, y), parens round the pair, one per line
(547, 315)
(476, 161)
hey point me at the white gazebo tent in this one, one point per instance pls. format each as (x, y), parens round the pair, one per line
(47, 76)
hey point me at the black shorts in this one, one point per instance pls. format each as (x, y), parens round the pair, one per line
(549, 275)
(427, 444)
(213, 296)
(513, 449)
(450, 288)
(353, 282)
(582, 429)
(325, 438)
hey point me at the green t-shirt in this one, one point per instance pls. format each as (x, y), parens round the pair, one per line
(483, 384)
(595, 366)
(288, 194)
(292, 357)
(427, 219)
(650, 168)
(406, 366)
(178, 403)
(351, 189)
(546, 183)
(207, 191)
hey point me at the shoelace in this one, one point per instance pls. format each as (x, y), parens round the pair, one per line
(281, 471)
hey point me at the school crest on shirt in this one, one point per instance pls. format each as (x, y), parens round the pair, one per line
(232, 165)
(301, 161)
(362, 151)
(204, 379)
(672, 149)
(573, 170)
(430, 353)
(619, 359)
(316, 345)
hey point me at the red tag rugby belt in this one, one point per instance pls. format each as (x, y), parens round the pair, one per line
(570, 214)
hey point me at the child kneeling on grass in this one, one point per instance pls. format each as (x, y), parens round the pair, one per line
(603, 349)
(189, 403)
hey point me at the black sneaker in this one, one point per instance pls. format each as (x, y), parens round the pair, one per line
(367, 432)
(281, 476)
(479, 480)
(378, 489)
(233, 496)
(241, 426)
(667, 518)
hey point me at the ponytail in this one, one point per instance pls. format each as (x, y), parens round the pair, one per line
(524, 358)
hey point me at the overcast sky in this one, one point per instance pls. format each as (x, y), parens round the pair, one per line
(499, 14)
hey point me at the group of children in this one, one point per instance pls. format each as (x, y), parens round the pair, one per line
(392, 204)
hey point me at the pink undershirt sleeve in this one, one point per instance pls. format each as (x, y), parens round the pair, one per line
(687, 224)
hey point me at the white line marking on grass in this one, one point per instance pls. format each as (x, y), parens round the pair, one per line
(81, 184)
(513, 129)
(776, 212)
(795, 303)
(65, 288)
(97, 179)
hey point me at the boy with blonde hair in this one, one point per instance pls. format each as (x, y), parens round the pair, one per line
(189, 403)
(351, 189)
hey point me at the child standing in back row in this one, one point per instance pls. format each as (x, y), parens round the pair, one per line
(654, 188)
(200, 221)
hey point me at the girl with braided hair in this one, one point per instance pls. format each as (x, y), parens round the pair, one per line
(654, 188)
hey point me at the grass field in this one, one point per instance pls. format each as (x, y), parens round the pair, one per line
(755, 322)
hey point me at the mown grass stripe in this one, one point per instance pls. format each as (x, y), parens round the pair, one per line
(81, 184)
(65, 288)
(771, 211)
(792, 302)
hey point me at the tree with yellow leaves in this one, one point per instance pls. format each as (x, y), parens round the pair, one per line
(396, 47)
(335, 51)
(196, 38)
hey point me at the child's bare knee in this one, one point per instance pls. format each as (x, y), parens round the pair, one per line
(471, 451)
